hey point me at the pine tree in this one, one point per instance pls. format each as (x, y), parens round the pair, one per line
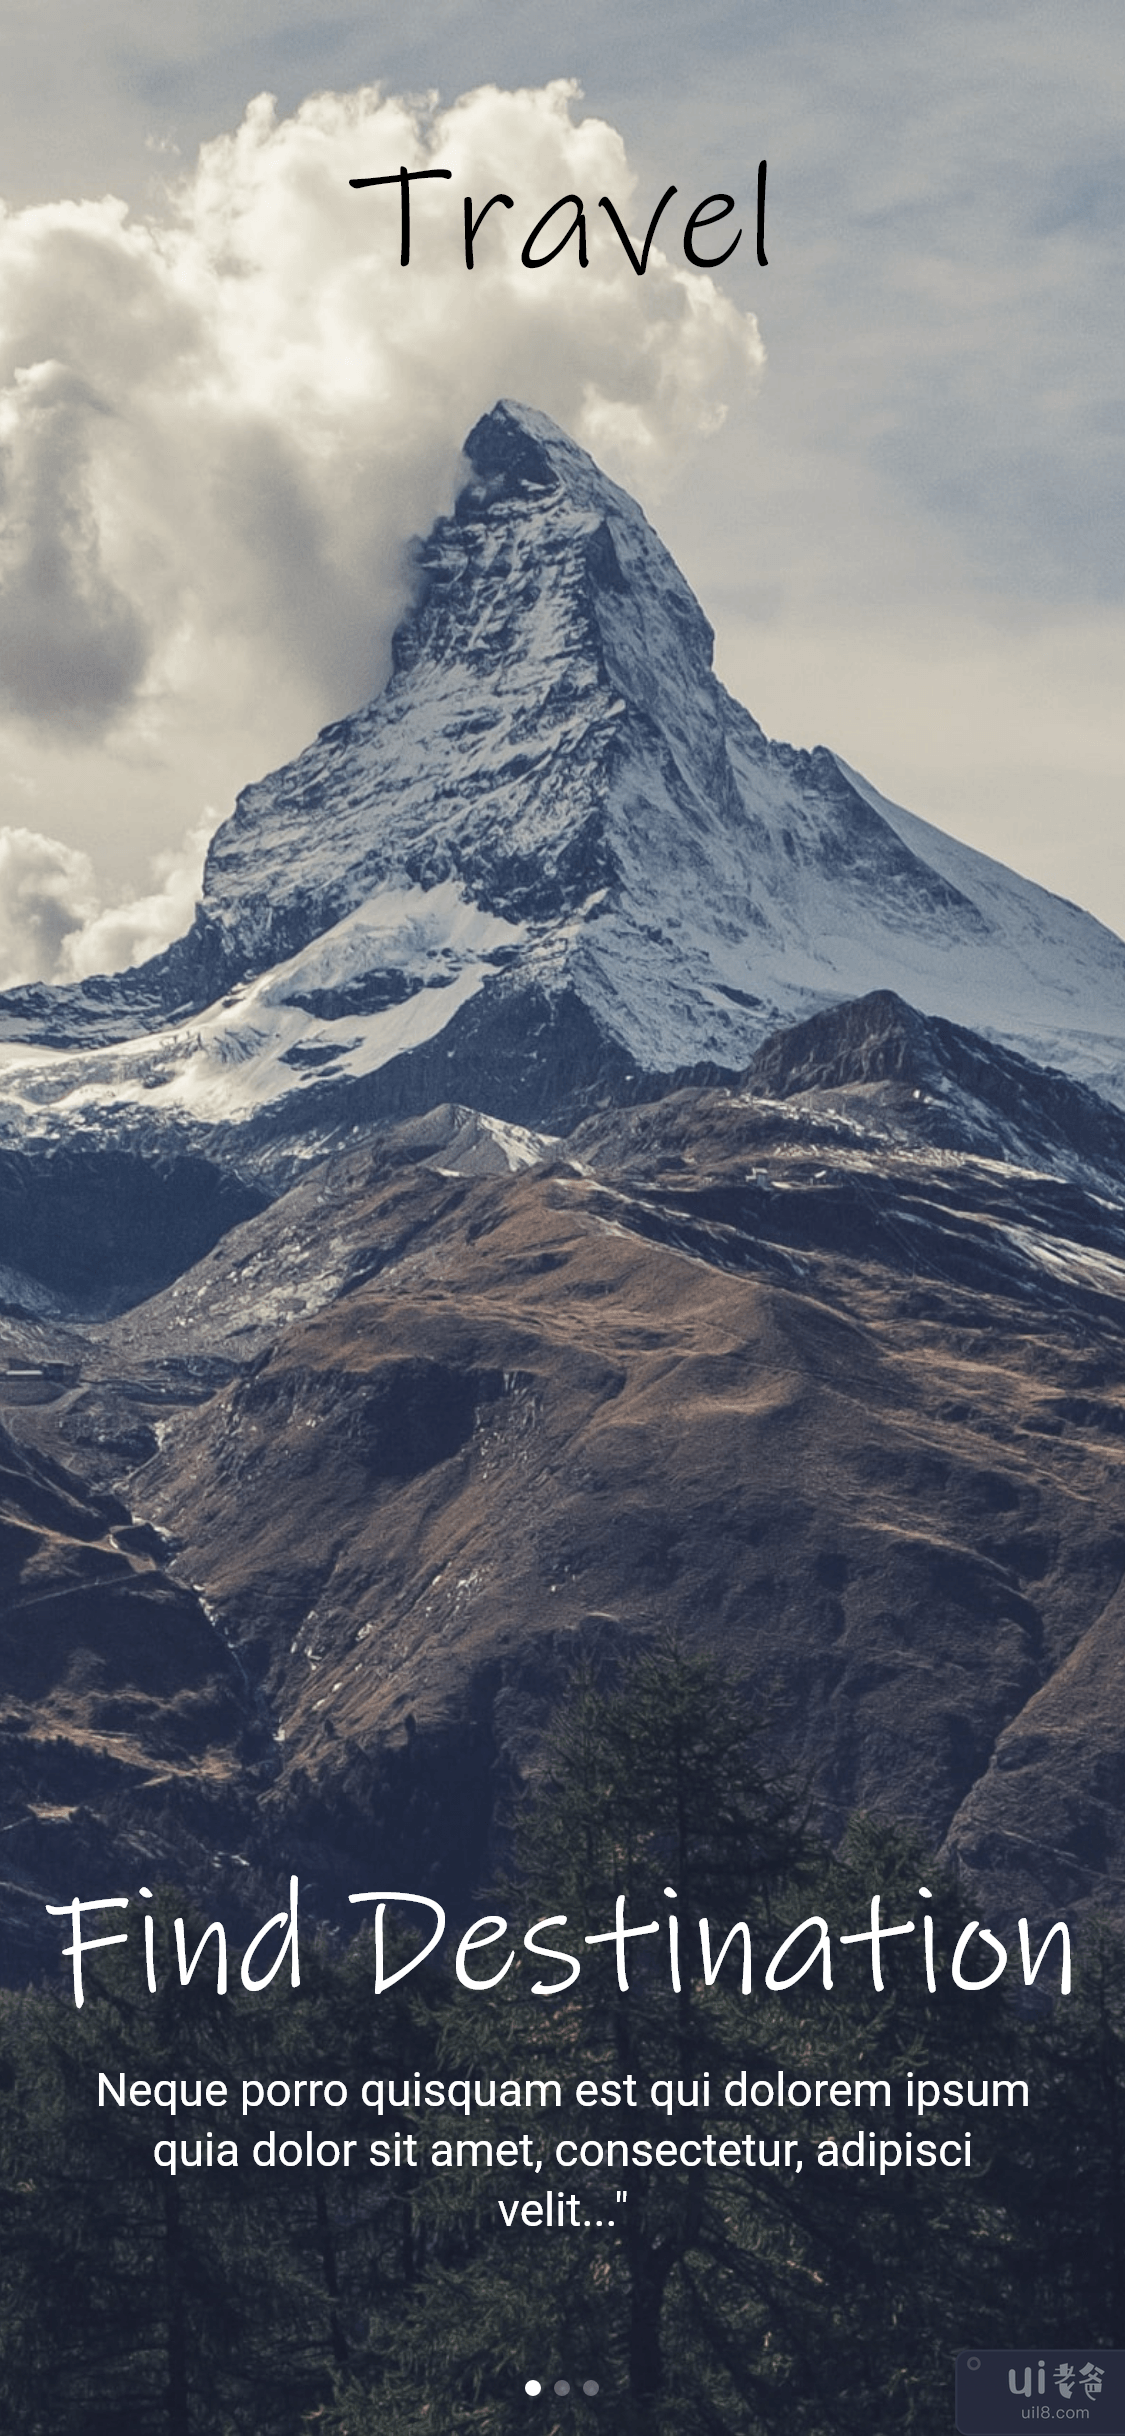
(659, 1785)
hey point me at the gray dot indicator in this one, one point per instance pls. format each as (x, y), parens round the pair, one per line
(591, 2386)
(562, 2387)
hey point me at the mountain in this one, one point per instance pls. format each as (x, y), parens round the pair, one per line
(551, 864)
(944, 1083)
(784, 1365)
(531, 1209)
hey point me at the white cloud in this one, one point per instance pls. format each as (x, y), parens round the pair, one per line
(118, 935)
(72, 646)
(219, 429)
(47, 892)
(54, 925)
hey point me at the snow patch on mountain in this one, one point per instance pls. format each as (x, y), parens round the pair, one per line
(1075, 1020)
(428, 950)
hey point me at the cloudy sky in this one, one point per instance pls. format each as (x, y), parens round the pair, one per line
(890, 464)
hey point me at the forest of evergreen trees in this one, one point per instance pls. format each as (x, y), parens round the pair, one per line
(244, 2300)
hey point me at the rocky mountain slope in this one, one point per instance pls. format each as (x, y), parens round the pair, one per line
(128, 1730)
(798, 1366)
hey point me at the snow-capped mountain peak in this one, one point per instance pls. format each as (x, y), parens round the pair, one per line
(551, 858)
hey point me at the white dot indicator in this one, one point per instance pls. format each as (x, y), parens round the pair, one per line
(533, 2386)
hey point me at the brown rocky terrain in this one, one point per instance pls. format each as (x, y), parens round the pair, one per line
(785, 1375)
